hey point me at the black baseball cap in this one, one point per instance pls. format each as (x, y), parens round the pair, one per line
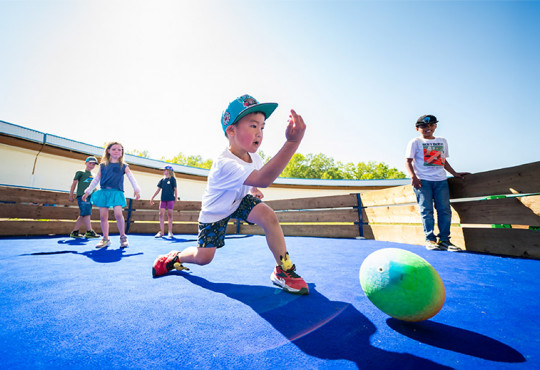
(426, 119)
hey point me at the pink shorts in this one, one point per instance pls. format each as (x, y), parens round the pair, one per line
(167, 205)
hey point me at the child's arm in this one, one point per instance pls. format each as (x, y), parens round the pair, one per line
(175, 194)
(92, 186)
(133, 182)
(153, 196)
(453, 172)
(415, 181)
(72, 190)
(273, 168)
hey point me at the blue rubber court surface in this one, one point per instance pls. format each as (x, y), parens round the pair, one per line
(65, 304)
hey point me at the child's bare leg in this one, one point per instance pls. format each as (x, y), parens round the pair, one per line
(78, 223)
(87, 224)
(104, 221)
(265, 217)
(120, 220)
(162, 220)
(170, 219)
(198, 256)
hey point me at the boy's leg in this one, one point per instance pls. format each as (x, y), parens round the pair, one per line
(265, 217)
(284, 274)
(76, 227)
(441, 196)
(424, 197)
(87, 223)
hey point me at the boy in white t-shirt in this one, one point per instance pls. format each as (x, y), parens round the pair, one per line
(232, 191)
(427, 160)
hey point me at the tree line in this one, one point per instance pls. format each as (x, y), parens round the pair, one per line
(309, 166)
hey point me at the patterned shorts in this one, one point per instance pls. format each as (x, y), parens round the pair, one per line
(213, 234)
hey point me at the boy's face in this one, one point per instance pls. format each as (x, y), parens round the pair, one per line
(90, 166)
(427, 130)
(247, 134)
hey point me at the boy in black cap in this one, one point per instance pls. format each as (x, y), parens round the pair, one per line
(426, 163)
(81, 180)
(232, 191)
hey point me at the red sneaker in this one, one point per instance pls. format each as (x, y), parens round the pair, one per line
(289, 280)
(165, 263)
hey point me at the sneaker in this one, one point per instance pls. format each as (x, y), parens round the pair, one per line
(165, 263)
(158, 235)
(123, 241)
(287, 279)
(170, 235)
(103, 243)
(448, 246)
(91, 234)
(432, 245)
(75, 234)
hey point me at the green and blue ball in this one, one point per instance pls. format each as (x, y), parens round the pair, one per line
(402, 284)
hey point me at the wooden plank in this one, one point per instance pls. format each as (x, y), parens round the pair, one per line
(524, 179)
(396, 195)
(186, 216)
(23, 195)
(22, 228)
(506, 242)
(327, 231)
(407, 234)
(334, 201)
(519, 211)
(180, 205)
(399, 214)
(30, 211)
(329, 215)
(152, 228)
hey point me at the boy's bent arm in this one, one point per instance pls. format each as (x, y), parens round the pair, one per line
(270, 171)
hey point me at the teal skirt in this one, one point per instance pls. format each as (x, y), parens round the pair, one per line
(108, 198)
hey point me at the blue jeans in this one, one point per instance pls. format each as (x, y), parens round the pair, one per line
(435, 192)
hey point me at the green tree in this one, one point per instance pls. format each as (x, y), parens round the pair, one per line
(190, 160)
(139, 153)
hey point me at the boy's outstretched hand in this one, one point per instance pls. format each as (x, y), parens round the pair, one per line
(296, 127)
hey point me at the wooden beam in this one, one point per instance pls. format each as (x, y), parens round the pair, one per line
(334, 201)
(397, 195)
(500, 211)
(524, 179)
(329, 215)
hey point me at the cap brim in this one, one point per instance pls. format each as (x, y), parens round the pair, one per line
(266, 108)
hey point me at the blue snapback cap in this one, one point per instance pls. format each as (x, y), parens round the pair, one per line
(242, 106)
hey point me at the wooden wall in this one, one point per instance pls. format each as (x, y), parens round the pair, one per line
(495, 212)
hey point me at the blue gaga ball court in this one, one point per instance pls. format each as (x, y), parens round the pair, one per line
(65, 304)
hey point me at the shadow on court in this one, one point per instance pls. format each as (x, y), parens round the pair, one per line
(103, 255)
(457, 340)
(318, 326)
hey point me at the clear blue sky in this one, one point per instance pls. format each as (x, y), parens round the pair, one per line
(156, 74)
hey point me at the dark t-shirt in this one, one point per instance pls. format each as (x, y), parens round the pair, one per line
(84, 178)
(167, 186)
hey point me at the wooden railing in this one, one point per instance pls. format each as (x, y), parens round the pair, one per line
(496, 212)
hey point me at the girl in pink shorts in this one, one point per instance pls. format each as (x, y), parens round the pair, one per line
(167, 186)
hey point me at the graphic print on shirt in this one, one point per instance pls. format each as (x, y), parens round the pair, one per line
(433, 154)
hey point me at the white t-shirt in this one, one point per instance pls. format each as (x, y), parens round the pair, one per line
(429, 157)
(225, 188)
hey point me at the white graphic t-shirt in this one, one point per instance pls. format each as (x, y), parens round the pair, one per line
(225, 188)
(429, 157)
